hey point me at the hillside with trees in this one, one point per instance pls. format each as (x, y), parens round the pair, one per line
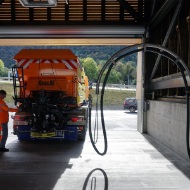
(91, 57)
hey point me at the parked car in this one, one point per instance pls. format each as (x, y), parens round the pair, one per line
(130, 104)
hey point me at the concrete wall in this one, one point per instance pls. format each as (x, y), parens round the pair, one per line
(166, 122)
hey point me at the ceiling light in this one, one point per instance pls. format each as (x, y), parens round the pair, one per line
(38, 3)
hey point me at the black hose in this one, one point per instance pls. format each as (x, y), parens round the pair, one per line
(110, 63)
(89, 175)
(187, 128)
(187, 102)
(102, 118)
(139, 47)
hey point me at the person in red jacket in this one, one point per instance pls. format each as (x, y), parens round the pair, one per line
(4, 119)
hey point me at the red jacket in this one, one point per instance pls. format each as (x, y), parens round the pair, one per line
(4, 111)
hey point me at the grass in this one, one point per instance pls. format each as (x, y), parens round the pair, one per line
(112, 98)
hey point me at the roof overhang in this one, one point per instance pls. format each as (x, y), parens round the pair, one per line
(70, 35)
(71, 31)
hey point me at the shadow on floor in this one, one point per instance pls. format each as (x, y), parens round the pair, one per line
(178, 161)
(36, 164)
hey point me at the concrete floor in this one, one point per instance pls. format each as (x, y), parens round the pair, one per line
(133, 161)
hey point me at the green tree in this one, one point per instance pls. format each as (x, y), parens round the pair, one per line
(1, 65)
(3, 69)
(114, 77)
(120, 67)
(129, 72)
(90, 67)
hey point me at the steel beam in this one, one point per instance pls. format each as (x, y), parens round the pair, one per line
(167, 82)
(12, 10)
(162, 12)
(188, 23)
(103, 10)
(84, 10)
(170, 29)
(130, 9)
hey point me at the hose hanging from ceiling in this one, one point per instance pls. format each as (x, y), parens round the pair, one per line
(156, 49)
(110, 66)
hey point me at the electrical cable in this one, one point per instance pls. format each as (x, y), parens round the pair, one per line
(130, 50)
(102, 97)
(102, 119)
(187, 102)
(96, 122)
(106, 184)
(111, 64)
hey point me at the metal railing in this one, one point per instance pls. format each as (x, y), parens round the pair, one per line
(116, 86)
(5, 78)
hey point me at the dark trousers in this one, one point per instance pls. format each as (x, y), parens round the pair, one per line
(5, 135)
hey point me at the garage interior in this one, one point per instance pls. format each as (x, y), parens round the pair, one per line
(162, 94)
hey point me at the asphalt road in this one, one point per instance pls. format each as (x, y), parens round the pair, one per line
(133, 161)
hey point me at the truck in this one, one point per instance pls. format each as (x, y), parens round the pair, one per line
(52, 94)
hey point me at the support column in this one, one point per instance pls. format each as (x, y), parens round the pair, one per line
(141, 119)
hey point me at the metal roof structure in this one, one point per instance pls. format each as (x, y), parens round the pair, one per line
(70, 12)
(81, 18)
(74, 19)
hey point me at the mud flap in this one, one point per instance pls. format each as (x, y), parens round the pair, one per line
(70, 133)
